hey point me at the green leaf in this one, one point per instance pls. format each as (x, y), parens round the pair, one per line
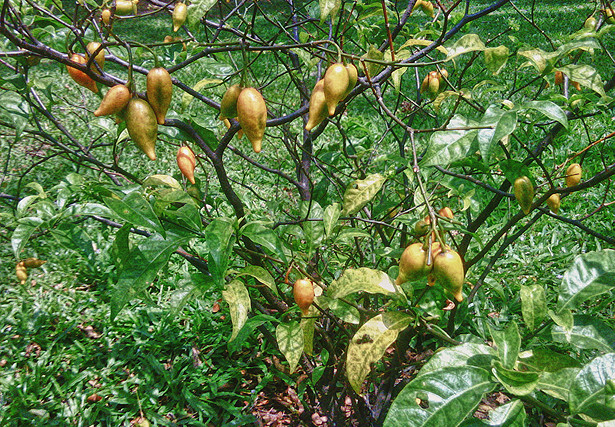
(503, 123)
(537, 58)
(587, 391)
(290, 341)
(563, 318)
(449, 146)
(134, 209)
(260, 234)
(120, 250)
(344, 311)
(557, 384)
(162, 181)
(361, 279)
(197, 9)
(218, 237)
(260, 274)
(586, 76)
(22, 233)
(361, 192)
(141, 268)
(329, 7)
(545, 360)
(330, 217)
(549, 109)
(467, 354)
(372, 67)
(508, 343)
(588, 332)
(533, 305)
(496, 58)
(515, 382)
(590, 275)
(307, 326)
(251, 324)
(512, 414)
(313, 231)
(513, 169)
(447, 396)
(238, 299)
(370, 342)
(467, 43)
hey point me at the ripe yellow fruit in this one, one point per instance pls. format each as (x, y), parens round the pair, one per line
(125, 7)
(142, 126)
(180, 13)
(431, 84)
(353, 76)
(412, 264)
(318, 106)
(335, 85)
(99, 58)
(186, 161)
(114, 101)
(427, 8)
(448, 271)
(553, 202)
(105, 16)
(524, 193)
(303, 292)
(159, 92)
(33, 262)
(228, 104)
(608, 15)
(21, 272)
(252, 116)
(573, 175)
(79, 76)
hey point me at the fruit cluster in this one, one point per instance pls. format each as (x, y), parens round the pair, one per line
(433, 82)
(21, 269)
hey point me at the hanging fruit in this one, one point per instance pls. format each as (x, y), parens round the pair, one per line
(159, 92)
(180, 13)
(228, 104)
(99, 58)
(21, 272)
(303, 292)
(448, 272)
(553, 202)
(227, 123)
(33, 262)
(79, 76)
(573, 175)
(142, 126)
(114, 101)
(186, 161)
(252, 116)
(524, 193)
(412, 264)
(318, 106)
(335, 85)
(353, 76)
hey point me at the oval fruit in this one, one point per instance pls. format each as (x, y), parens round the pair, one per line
(99, 58)
(553, 202)
(159, 92)
(33, 262)
(448, 271)
(105, 16)
(318, 106)
(186, 161)
(114, 101)
(573, 175)
(228, 105)
(79, 76)
(353, 76)
(590, 23)
(335, 85)
(427, 8)
(412, 264)
(21, 272)
(524, 193)
(446, 212)
(252, 116)
(142, 126)
(180, 13)
(124, 7)
(303, 292)
(421, 228)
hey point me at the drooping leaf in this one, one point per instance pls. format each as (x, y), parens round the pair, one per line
(329, 7)
(445, 398)
(22, 233)
(361, 279)
(587, 391)
(508, 343)
(449, 146)
(496, 58)
(502, 123)
(237, 297)
(557, 384)
(511, 414)
(361, 192)
(248, 328)
(261, 234)
(197, 9)
(370, 342)
(515, 382)
(467, 43)
(550, 109)
(218, 237)
(545, 360)
(537, 58)
(290, 341)
(533, 305)
(590, 275)
(588, 332)
(466, 354)
(422, 42)
(586, 76)
(563, 318)
(374, 68)
(330, 217)
(134, 209)
(260, 274)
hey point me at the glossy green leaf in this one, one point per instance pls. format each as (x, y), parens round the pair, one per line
(502, 123)
(197, 9)
(218, 236)
(448, 396)
(466, 354)
(370, 342)
(360, 193)
(536, 58)
(237, 297)
(496, 58)
(587, 391)
(133, 208)
(515, 382)
(22, 233)
(590, 275)
(467, 43)
(260, 274)
(508, 343)
(290, 342)
(557, 384)
(361, 279)
(545, 360)
(308, 324)
(248, 328)
(511, 414)
(586, 76)
(563, 318)
(533, 305)
(329, 8)
(449, 146)
(330, 217)
(313, 231)
(550, 109)
(588, 332)
(260, 233)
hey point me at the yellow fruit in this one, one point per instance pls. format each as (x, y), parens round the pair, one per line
(573, 175)
(427, 8)
(228, 105)
(180, 13)
(590, 23)
(105, 16)
(353, 76)
(335, 85)
(446, 212)
(99, 58)
(227, 123)
(524, 193)
(79, 76)
(434, 84)
(142, 126)
(33, 262)
(303, 292)
(21, 272)
(318, 106)
(425, 84)
(419, 3)
(442, 74)
(252, 116)
(125, 7)
(186, 161)
(159, 92)
(412, 264)
(114, 101)
(608, 15)
(448, 272)
(553, 202)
